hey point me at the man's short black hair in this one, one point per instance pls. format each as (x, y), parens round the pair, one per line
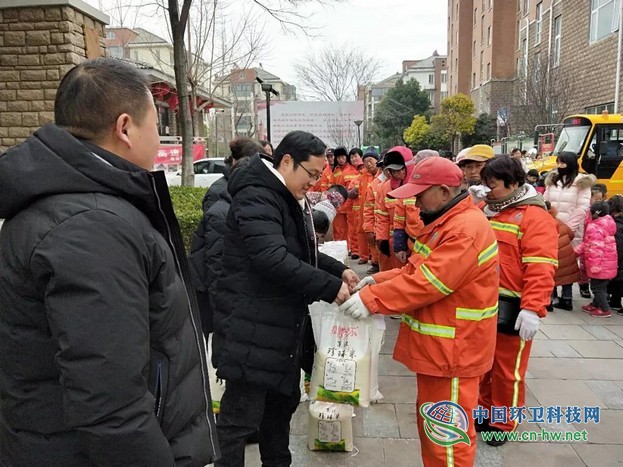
(533, 173)
(515, 150)
(600, 209)
(93, 94)
(616, 204)
(300, 145)
(504, 168)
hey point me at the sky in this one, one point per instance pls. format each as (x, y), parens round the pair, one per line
(390, 30)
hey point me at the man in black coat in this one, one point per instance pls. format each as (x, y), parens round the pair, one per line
(102, 361)
(271, 272)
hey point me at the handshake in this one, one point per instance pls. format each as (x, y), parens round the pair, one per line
(353, 305)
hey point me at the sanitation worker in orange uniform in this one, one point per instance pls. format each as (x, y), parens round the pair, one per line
(527, 238)
(368, 175)
(343, 174)
(447, 294)
(369, 215)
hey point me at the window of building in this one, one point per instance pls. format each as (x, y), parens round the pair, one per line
(110, 34)
(518, 34)
(597, 109)
(488, 70)
(557, 38)
(444, 77)
(473, 80)
(136, 55)
(431, 79)
(431, 96)
(539, 22)
(444, 95)
(604, 18)
(524, 48)
(474, 49)
(482, 30)
(489, 35)
(526, 7)
(116, 52)
(482, 65)
(490, 4)
(483, 5)
(475, 20)
(537, 67)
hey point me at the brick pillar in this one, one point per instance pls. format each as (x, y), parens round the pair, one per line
(39, 43)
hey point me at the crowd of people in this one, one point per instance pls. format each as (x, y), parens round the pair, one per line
(104, 319)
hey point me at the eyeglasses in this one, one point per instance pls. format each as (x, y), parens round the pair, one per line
(311, 175)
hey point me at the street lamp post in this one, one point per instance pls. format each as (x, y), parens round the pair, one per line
(268, 89)
(358, 123)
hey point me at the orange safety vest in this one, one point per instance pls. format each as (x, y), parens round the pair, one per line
(447, 294)
(326, 179)
(407, 218)
(369, 217)
(528, 246)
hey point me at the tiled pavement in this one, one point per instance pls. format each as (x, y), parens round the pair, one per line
(575, 360)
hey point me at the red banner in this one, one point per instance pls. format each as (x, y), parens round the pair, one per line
(172, 153)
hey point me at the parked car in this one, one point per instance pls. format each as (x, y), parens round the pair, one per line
(207, 171)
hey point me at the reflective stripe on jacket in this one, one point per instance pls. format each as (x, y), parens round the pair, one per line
(448, 295)
(369, 217)
(528, 247)
(384, 212)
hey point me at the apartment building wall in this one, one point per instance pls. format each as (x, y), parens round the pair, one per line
(460, 30)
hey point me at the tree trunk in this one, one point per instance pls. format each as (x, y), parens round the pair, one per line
(180, 66)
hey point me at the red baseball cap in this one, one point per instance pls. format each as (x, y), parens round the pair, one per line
(430, 172)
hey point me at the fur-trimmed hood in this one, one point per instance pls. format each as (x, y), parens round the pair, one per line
(582, 181)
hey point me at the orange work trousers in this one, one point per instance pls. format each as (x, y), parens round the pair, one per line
(504, 385)
(462, 391)
(364, 248)
(353, 240)
(340, 227)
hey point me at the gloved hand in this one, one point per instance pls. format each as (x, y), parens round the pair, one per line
(354, 307)
(353, 194)
(368, 280)
(479, 192)
(370, 239)
(402, 256)
(400, 240)
(527, 324)
(383, 246)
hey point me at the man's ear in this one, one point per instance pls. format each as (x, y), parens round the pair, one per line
(122, 125)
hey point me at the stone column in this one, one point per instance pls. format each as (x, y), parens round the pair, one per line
(39, 42)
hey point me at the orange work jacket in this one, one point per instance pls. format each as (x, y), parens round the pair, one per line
(369, 217)
(407, 218)
(345, 176)
(361, 183)
(326, 179)
(528, 246)
(384, 212)
(447, 294)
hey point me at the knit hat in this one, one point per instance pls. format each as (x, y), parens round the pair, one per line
(424, 154)
(371, 152)
(327, 208)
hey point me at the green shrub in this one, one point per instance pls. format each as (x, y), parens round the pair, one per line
(187, 205)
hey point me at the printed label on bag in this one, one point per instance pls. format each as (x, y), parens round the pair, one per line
(339, 374)
(329, 431)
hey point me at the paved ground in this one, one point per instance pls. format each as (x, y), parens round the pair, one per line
(576, 360)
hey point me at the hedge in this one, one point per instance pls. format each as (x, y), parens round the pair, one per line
(187, 205)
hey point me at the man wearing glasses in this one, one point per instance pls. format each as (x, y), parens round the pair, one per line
(272, 271)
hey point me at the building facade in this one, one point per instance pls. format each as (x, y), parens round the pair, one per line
(534, 61)
(241, 88)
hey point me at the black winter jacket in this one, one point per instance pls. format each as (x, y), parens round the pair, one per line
(271, 272)
(199, 265)
(101, 357)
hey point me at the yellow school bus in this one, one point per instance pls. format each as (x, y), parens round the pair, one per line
(598, 142)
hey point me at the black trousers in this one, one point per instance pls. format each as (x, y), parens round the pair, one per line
(244, 409)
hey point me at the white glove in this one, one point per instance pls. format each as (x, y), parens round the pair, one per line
(368, 280)
(479, 192)
(527, 324)
(354, 307)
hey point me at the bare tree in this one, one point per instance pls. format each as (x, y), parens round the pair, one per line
(342, 131)
(542, 95)
(335, 73)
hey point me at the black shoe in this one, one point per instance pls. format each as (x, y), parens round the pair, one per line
(374, 269)
(494, 442)
(585, 291)
(564, 304)
(355, 256)
(550, 307)
(484, 426)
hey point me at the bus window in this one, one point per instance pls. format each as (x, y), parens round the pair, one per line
(572, 139)
(610, 151)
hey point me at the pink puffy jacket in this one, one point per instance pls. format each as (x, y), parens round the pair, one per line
(599, 248)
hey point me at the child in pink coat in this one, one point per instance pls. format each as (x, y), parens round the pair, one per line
(599, 250)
